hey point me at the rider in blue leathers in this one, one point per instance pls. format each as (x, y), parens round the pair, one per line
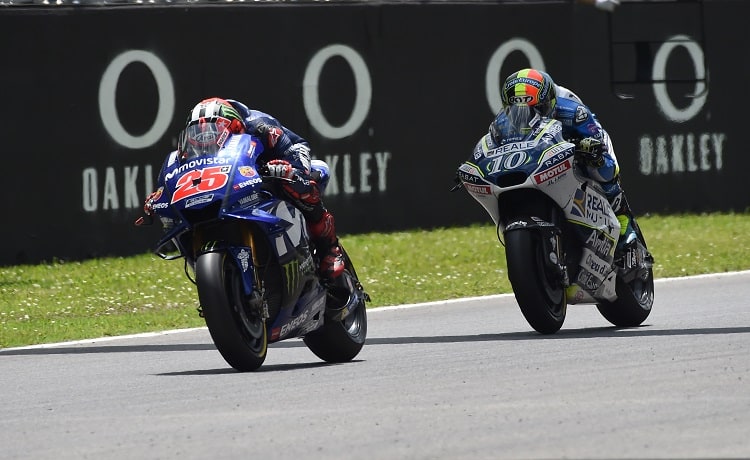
(285, 154)
(580, 126)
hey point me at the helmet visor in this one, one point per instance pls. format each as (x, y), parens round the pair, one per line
(521, 118)
(203, 137)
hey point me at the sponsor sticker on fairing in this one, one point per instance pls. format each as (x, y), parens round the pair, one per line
(478, 189)
(557, 153)
(587, 280)
(193, 164)
(293, 324)
(247, 171)
(597, 210)
(600, 243)
(510, 147)
(247, 183)
(595, 264)
(199, 200)
(469, 169)
(553, 172)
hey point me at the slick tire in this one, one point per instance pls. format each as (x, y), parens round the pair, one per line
(340, 341)
(633, 303)
(240, 338)
(539, 294)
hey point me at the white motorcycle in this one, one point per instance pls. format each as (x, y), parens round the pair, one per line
(559, 230)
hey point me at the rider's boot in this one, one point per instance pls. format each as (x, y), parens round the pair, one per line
(332, 264)
(320, 224)
(323, 235)
(627, 254)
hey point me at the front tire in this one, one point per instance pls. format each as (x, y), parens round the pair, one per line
(538, 291)
(238, 333)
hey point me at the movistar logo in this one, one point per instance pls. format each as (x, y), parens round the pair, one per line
(193, 164)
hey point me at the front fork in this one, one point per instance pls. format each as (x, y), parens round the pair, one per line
(553, 253)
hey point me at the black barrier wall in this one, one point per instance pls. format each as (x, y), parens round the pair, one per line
(392, 95)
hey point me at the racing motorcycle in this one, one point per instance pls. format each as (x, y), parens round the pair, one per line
(559, 230)
(247, 250)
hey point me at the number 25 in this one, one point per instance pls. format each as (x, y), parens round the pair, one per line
(200, 181)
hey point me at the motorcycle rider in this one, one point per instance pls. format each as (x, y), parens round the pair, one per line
(536, 89)
(285, 155)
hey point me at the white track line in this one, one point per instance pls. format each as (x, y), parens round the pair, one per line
(370, 311)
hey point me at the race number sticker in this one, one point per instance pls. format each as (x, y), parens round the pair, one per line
(201, 181)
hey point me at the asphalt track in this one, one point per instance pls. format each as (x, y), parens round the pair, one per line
(448, 380)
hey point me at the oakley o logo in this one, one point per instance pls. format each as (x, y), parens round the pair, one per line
(107, 103)
(311, 99)
(658, 73)
(363, 100)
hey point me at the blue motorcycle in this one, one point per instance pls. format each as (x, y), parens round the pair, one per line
(251, 258)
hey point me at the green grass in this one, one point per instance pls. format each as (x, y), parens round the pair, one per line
(64, 301)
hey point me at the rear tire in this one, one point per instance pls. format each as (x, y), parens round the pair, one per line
(339, 341)
(539, 293)
(239, 335)
(634, 300)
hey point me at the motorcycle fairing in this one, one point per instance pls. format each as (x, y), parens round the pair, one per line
(546, 161)
(598, 230)
(201, 181)
(482, 190)
(286, 229)
(296, 324)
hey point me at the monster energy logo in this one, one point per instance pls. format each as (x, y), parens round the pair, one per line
(294, 270)
(291, 272)
(229, 112)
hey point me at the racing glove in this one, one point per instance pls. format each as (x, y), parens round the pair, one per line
(591, 151)
(280, 168)
(148, 205)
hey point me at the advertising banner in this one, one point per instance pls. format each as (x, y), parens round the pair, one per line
(392, 95)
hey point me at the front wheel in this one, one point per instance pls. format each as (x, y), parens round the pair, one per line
(539, 292)
(238, 333)
(340, 340)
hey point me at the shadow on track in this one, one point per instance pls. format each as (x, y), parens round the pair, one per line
(264, 368)
(563, 334)
(85, 349)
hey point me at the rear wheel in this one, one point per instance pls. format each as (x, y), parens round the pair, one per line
(635, 293)
(238, 332)
(340, 340)
(538, 290)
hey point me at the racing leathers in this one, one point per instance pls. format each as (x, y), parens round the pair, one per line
(286, 154)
